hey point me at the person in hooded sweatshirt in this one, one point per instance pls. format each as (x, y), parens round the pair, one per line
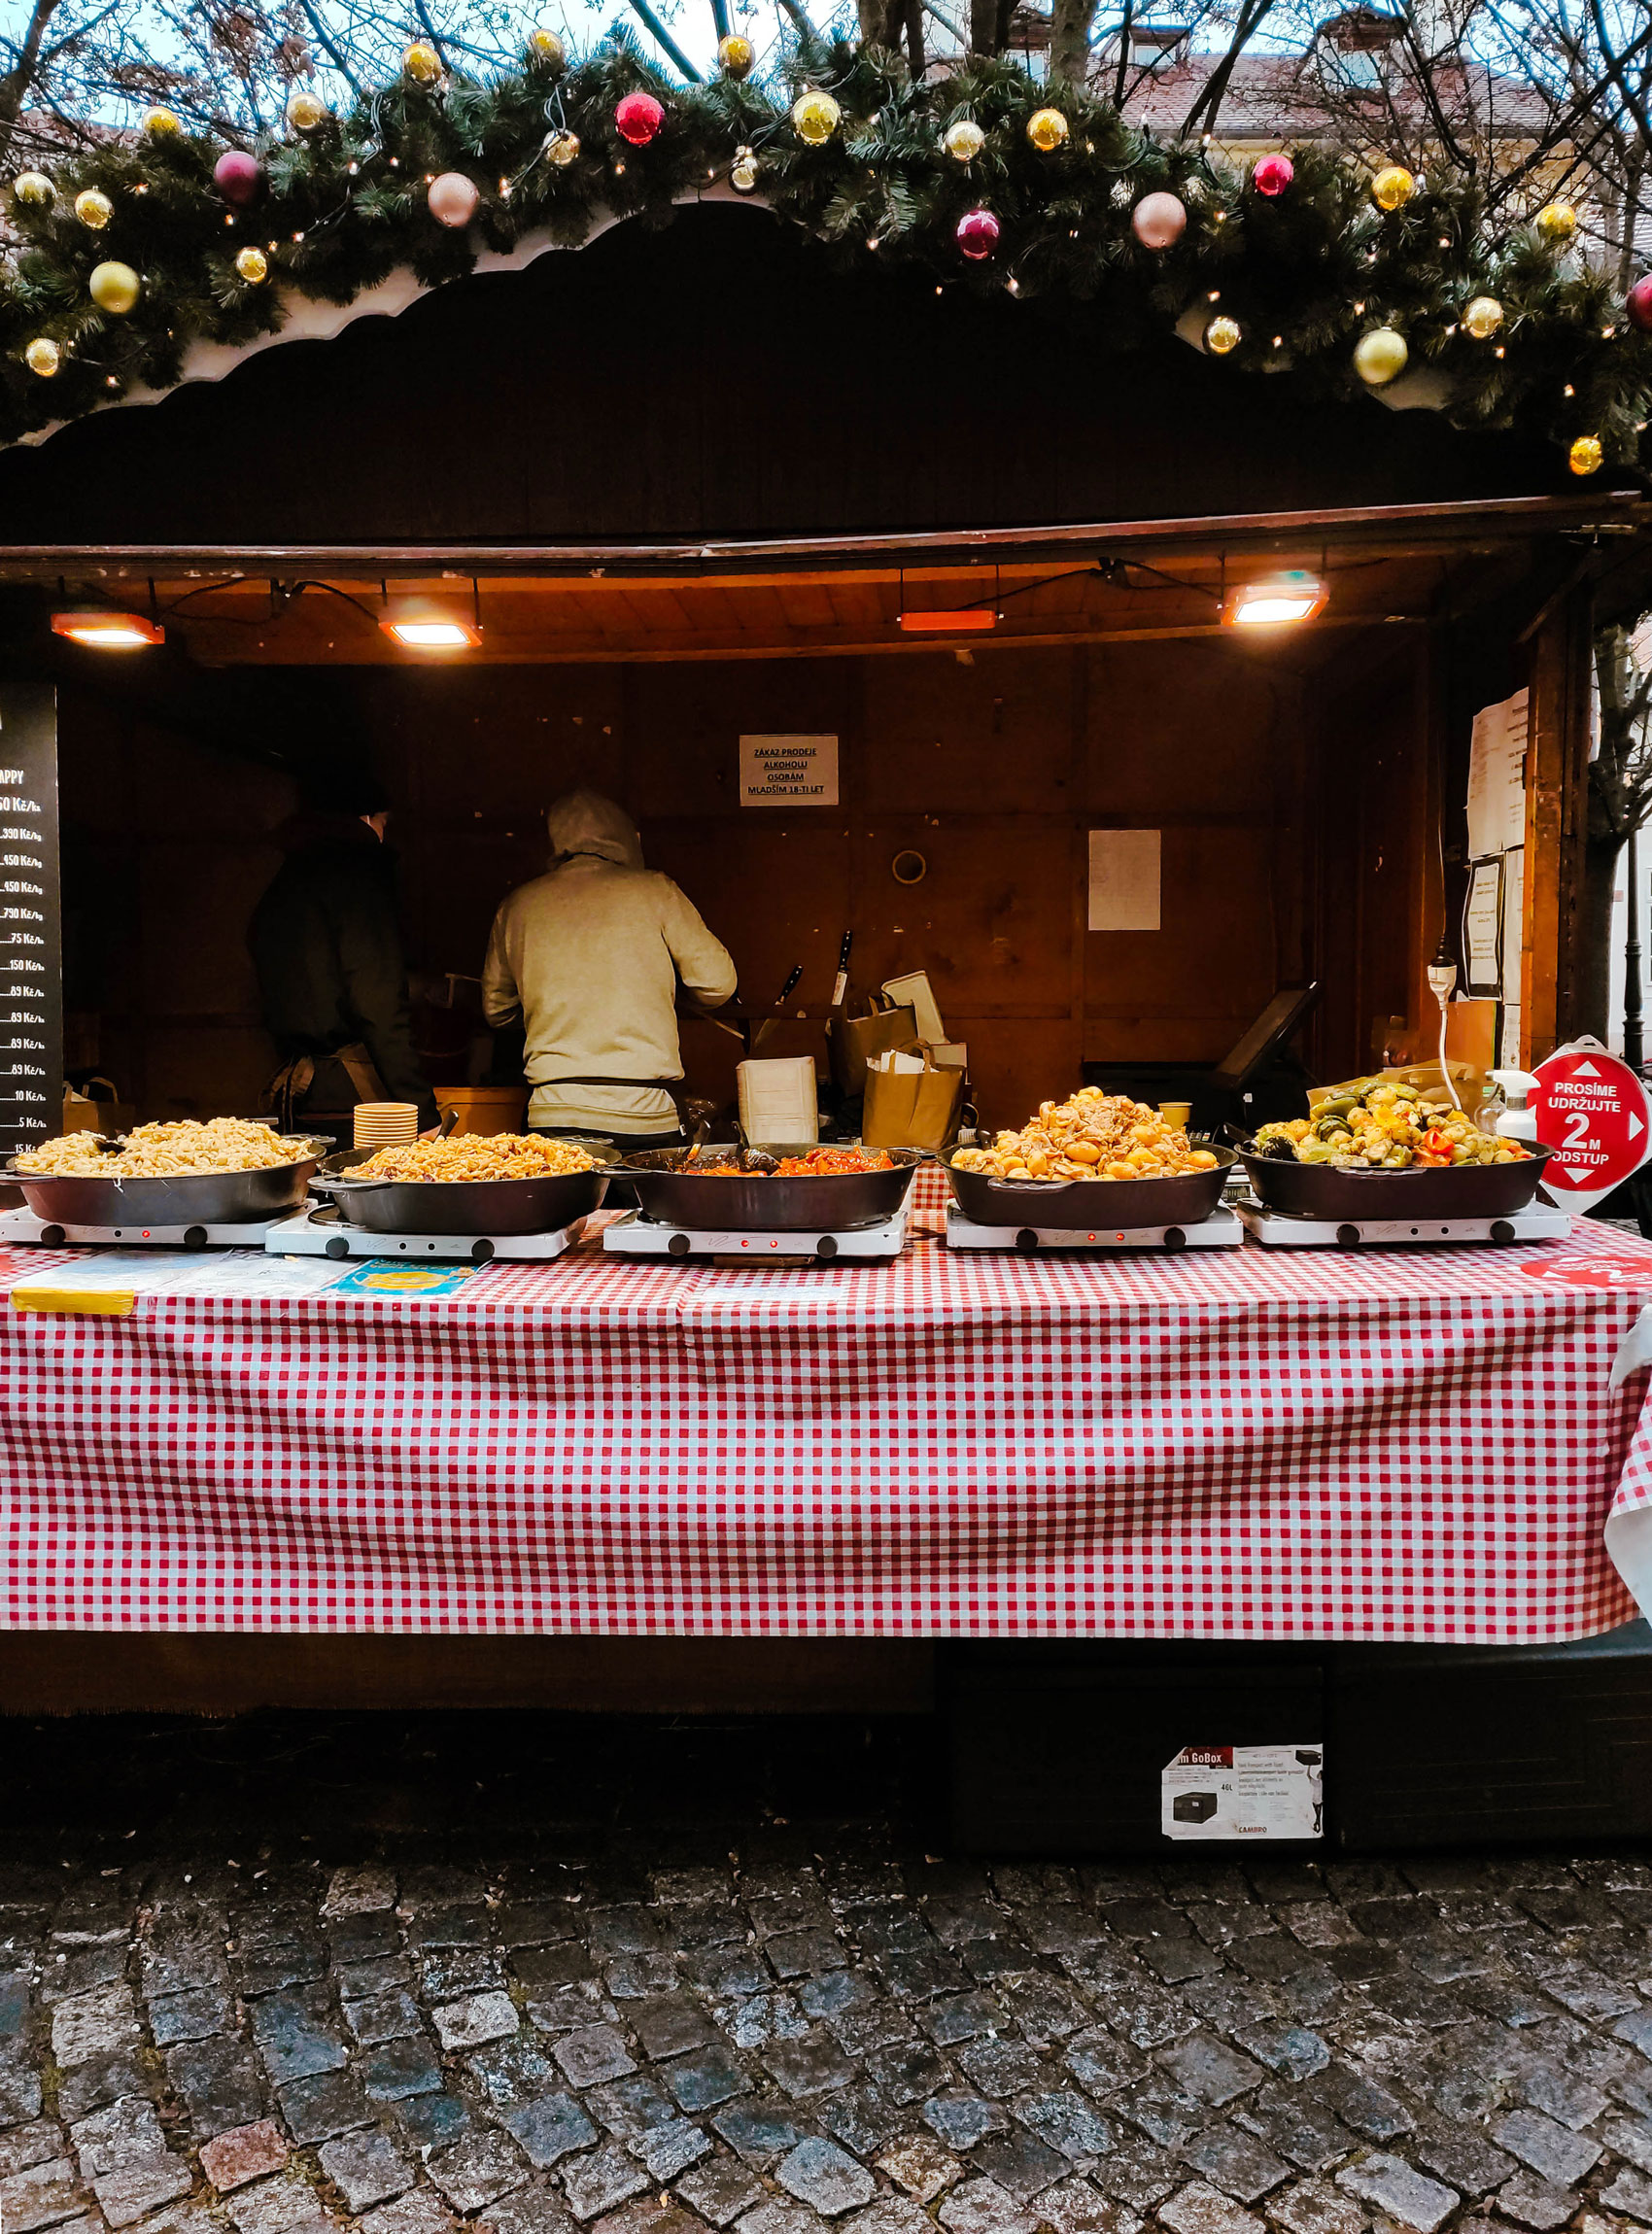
(326, 943)
(590, 957)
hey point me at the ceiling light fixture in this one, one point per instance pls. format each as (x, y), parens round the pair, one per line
(1278, 601)
(948, 620)
(432, 624)
(107, 631)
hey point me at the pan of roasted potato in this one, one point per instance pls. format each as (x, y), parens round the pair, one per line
(1096, 1157)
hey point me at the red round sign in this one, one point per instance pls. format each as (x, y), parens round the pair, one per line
(1594, 1113)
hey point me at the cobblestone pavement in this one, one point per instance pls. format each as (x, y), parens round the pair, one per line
(287, 1978)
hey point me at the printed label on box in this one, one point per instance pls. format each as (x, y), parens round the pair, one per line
(1244, 1792)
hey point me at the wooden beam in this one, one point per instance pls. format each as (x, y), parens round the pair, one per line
(1557, 823)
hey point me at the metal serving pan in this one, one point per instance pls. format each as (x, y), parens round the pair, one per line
(1075, 1205)
(200, 1198)
(467, 1206)
(749, 1202)
(1447, 1190)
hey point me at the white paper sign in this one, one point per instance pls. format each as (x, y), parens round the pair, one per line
(1482, 931)
(1244, 1792)
(788, 772)
(1496, 777)
(1514, 923)
(1124, 880)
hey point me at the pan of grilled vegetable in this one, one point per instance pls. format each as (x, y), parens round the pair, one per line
(1383, 1149)
(1095, 1160)
(804, 1190)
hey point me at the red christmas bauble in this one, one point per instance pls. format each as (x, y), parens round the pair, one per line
(639, 117)
(237, 176)
(1272, 175)
(976, 235)
(1639, 303)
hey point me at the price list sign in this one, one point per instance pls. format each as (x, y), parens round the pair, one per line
(31, 976)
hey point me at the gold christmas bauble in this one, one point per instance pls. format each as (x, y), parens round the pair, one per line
(743, 171)
(43, 357)
(253, 265)
(735, 55)
(162, 123)
(1380, 356)
(546, 49)
(306, 111)
(422, 63)
(1393, 187)
(1557, 221)
(34, 190)
(560, 148)
(1586, 456)
(115, 288)
(94, 209)
(1222, 335)
(1047, 130)
(1483, 317)
(816, 117)
(964, 140)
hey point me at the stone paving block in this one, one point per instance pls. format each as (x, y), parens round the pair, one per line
(218, 2082)
(367, 2168)
(1199, 2210)
(763, 2018)
(982, 2207)
(1361, 2102)
(418, 2211)
(859, 2119)
(1406, 2194)
(1631, 2193)
(1163, 2114)
(1209, 2070)
(548, 2128)
(1236, 2161)
(962, 2119)
(316, 2109)
(1536, 2203)
(1551, 2149)
(825, 2176)
(757, 2131)
(667, 2150)
(922, 2166)
(593, 2055)
(1303, 2131)
(1630, 2137)
(141, 2185)
(1462, 2157)
(1293, 2050)
(890, 2214)
(778, 2214)
(26, 2145)
(88, 2025)
(477, 2018)
(701, 2081)
(433, 2121)
(601, 2181)
(630, 2106)
(671, 2026)
(245, 2152)
(536, 2209)
(127, 2128)
(449, 1974)
(812, 2065)
(719, 2191)
(1101, 2064)
(1067, 2122)
(477, 2170)
(287, 2205)
(1020, 2163)
(198, 2016)
(382, 2017)
(536, 1923)
(961, 2016)
(1560, 2094)
(400, 2068)
(998, 2068)
(1314, 2207)
(292, 2032)
(354, 1892)
(43, 2195)
(906, 2071)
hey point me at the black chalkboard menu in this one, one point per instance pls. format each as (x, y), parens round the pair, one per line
(31, 947)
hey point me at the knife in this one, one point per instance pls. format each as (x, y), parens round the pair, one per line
(841, 989)
(768, 1024)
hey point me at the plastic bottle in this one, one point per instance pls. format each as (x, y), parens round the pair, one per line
(1518, 1121)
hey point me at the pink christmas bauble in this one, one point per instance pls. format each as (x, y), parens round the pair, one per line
(1639, 303)
(1272, 175)
(237, 177)
(1158, 220)
(639, 117)
(976, 235)
(452, 199)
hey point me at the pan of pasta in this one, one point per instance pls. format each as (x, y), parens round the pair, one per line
(222, 1171)
(477, 1182)
(1094, 1156)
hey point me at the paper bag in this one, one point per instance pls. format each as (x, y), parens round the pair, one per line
(915, 1105)
(856, 1040)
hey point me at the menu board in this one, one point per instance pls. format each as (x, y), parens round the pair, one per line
(31, 961)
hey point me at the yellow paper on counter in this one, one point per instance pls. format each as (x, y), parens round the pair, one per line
(92, 1302)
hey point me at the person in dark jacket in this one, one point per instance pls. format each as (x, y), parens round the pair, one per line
(326, 946)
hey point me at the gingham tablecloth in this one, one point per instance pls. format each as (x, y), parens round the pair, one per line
(1255, 1443)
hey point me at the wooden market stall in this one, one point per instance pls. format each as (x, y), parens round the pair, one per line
(697, 484)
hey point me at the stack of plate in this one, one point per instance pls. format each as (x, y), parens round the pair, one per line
(386, 1124)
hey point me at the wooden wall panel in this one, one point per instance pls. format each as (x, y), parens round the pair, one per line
(991, 738)
(1204, 729)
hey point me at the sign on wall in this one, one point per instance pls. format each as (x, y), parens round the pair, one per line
(31, 960)
(1594, 1113)
(788, 772)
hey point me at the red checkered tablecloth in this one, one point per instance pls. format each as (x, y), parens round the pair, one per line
(1249, 1443)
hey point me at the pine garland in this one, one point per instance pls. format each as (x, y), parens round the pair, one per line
(1303, 274)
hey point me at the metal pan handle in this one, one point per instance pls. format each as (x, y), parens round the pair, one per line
(338, 1182)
